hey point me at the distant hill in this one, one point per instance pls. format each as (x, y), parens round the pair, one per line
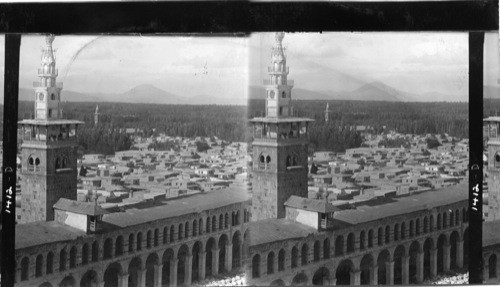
(140, 94)
(377, 91)
(491, 92)
(374, 91)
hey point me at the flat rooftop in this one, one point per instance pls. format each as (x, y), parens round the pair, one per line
(177, 207)
(50, 122)
(280, 120)
(38, 233)
(378, 209)
(492, 119)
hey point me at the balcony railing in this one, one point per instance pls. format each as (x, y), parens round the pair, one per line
(287, 82)
(41, 72)
(272, 70)
(38, 84)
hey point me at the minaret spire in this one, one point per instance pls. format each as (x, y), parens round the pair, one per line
(327, 113)
(278, 87)
(96, 115)
(48, 73)
(47, 90)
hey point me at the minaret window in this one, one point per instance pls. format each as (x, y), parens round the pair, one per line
(497, 159)
(493, 131)
(53, 97)
(283, 95)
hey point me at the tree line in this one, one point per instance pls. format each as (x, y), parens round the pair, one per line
(230, 122)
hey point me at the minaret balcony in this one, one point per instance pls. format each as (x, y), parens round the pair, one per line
(281, 140)
(289, 83)
(37, 84)
(271, 70)
(46, 73)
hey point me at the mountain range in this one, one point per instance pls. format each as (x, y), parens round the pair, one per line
(374, 91)
(141, 94)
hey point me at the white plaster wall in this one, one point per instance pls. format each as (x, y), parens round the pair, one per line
(307, 217)
(76, 220)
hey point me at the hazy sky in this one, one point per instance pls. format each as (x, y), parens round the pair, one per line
(115, 64)
(411, 62)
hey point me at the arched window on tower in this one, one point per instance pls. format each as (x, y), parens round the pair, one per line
(497, 160)
(283, 94)
(288, 161)
(58, 163)
(262, 161)
(295, 160)
(268, 159)
(37, 163)
(31, 164)
(64, 162)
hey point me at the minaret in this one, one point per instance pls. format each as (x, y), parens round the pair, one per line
(96, 115)
(493, 167)
(327, 113)
(280, 144)
(49, 146)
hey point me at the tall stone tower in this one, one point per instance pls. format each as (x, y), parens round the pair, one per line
(96, 115)
(49, 168)
(280, 144)
(493, 167)
(327, 113)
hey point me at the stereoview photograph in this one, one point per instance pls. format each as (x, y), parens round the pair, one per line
(272, 159)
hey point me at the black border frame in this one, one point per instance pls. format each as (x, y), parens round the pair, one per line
(242, 17)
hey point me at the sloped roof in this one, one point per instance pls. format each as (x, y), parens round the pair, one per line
(491, 230)
(310, 204)
(88, 208)
(43, 232)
